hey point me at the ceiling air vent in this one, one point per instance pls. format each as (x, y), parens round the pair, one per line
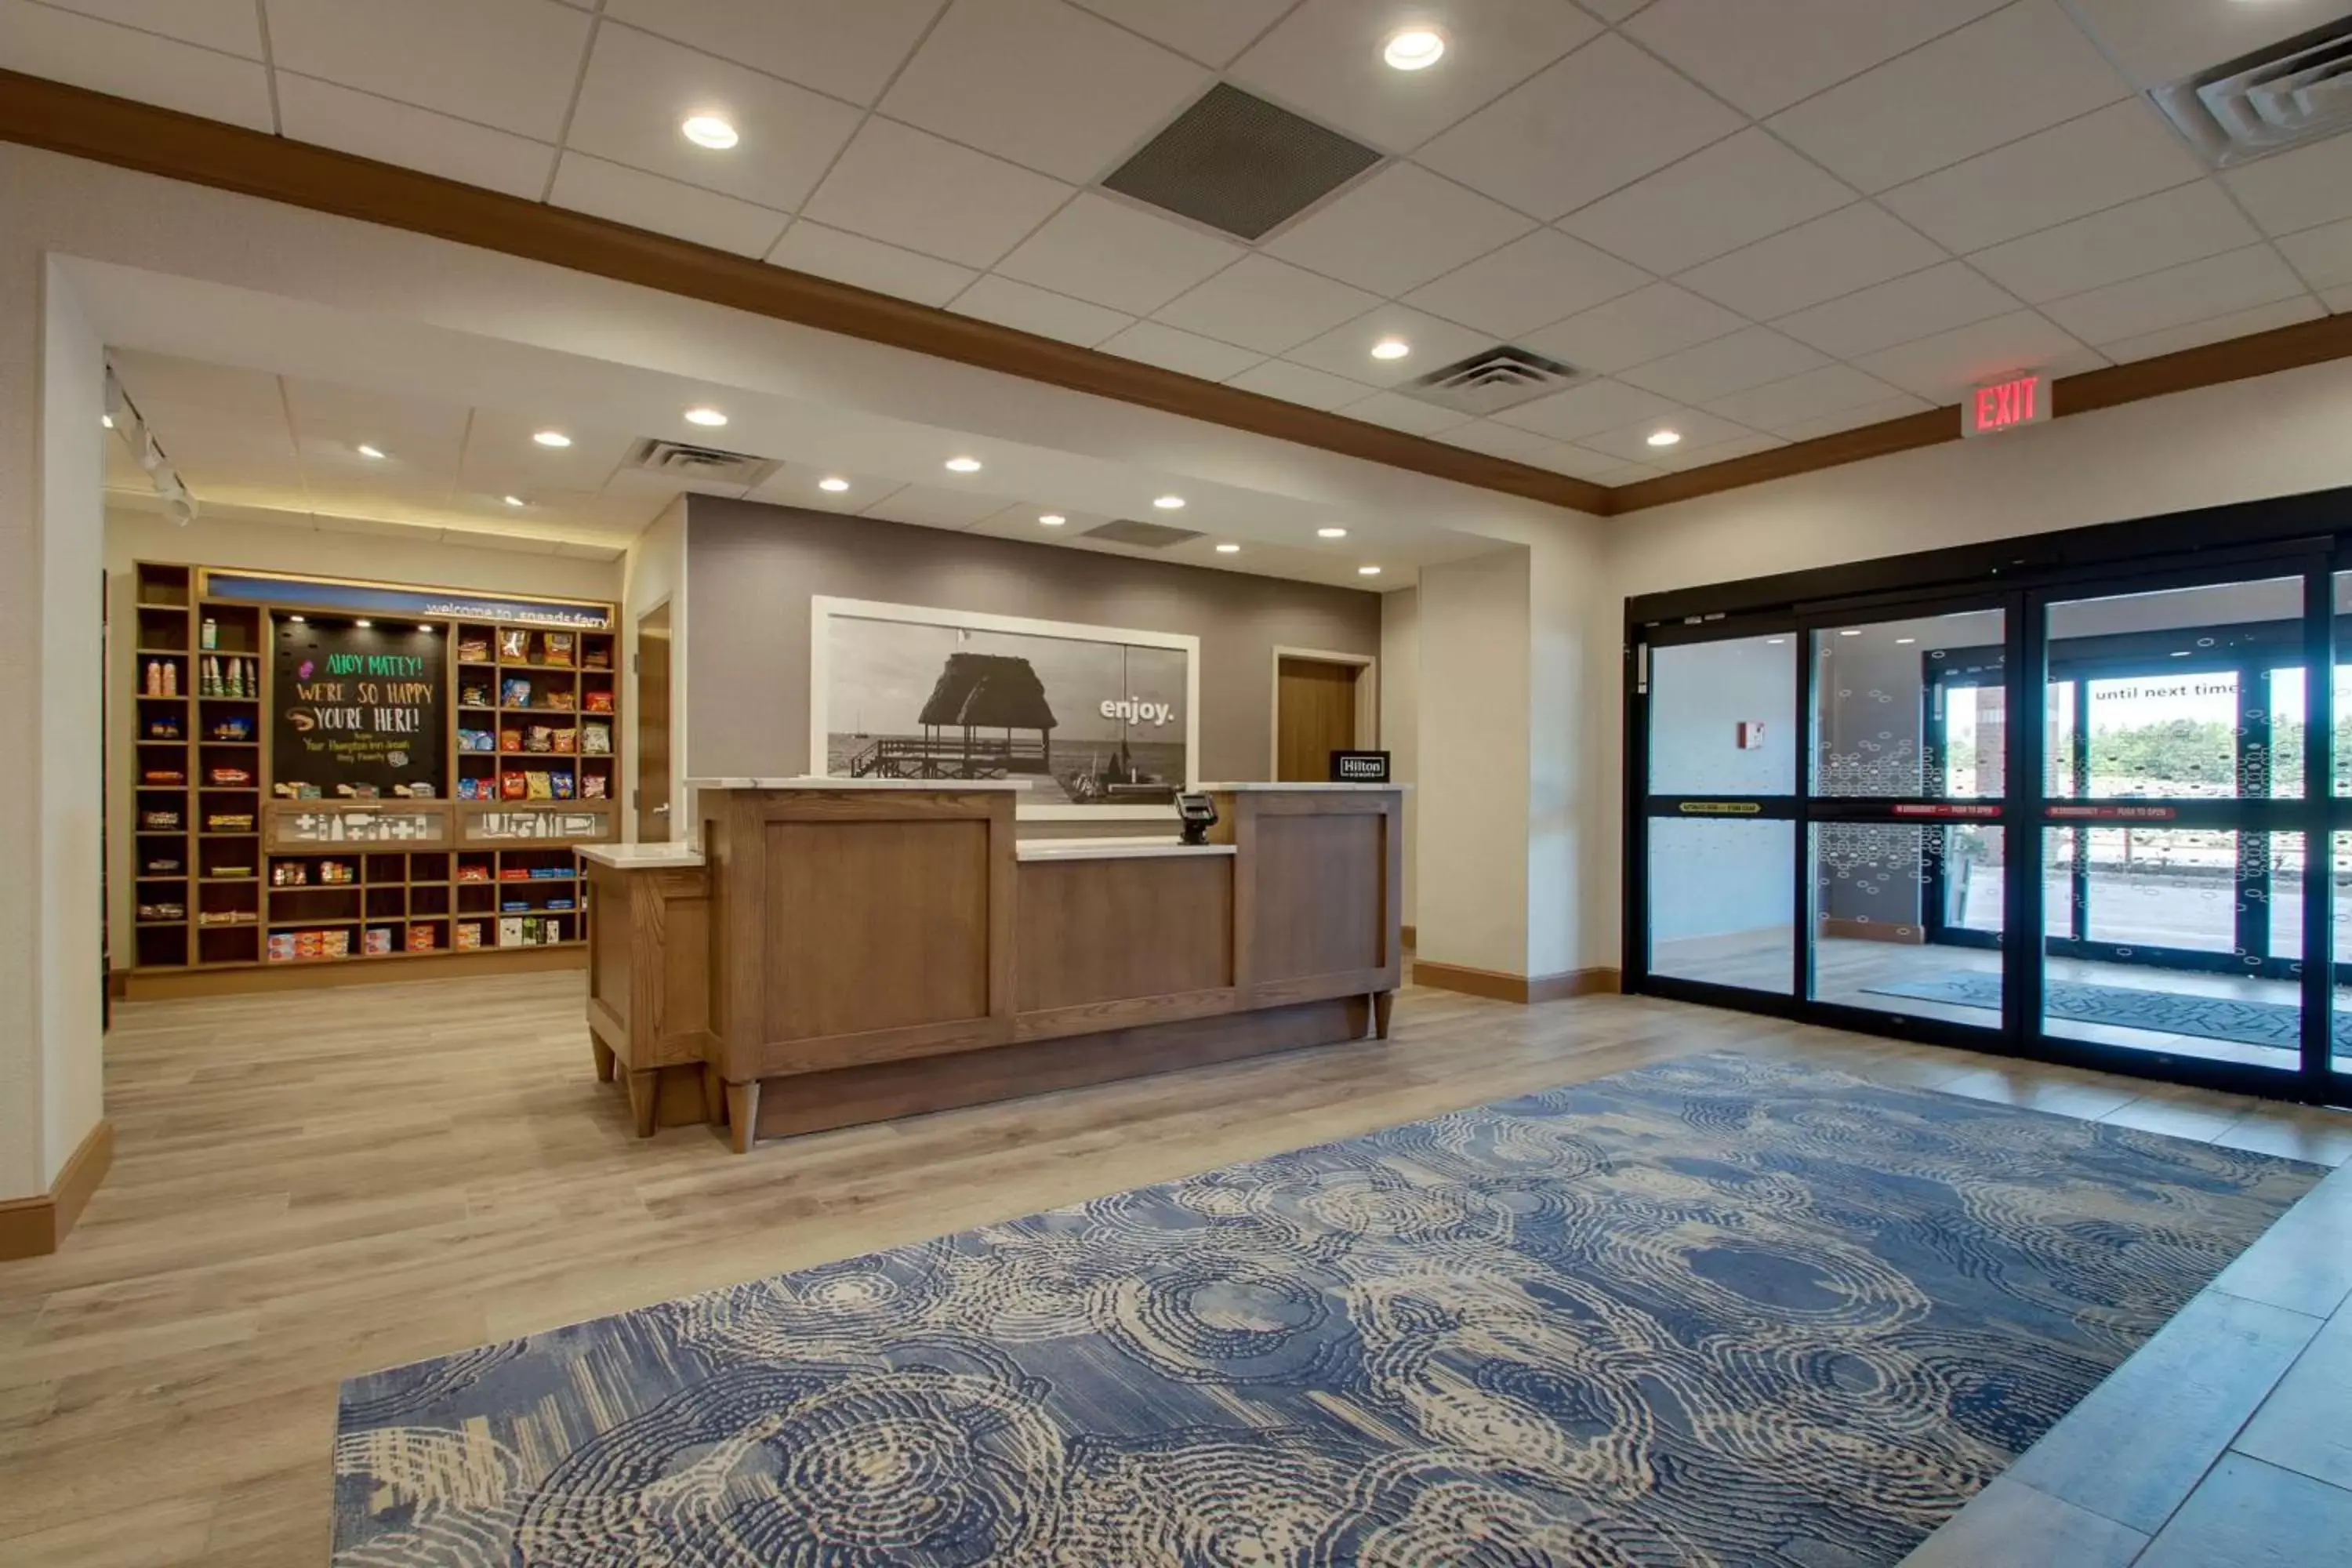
(1492, 380)
(1238, 163)
(2293, 92)
(1150, 535)
(693, 465)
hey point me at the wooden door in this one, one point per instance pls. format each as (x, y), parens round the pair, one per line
(654, 824)
(1314, 715)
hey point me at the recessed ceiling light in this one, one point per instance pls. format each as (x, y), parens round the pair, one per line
(107, 420)
(709, 131)
(963, 465)
(1392, 348)
(297, 617)
(552, 438)
(363, 623)
(1905, 642)
(708, 416)
(2180, 653)
(423, 626)
(515, 500)
(1666, 439)
(1053, 519)
(1229, 550)
(1368, 570)
(1850, 632)
(1170, 503)
(1415, 48)
(835, 485)
(364, 450)
(1331, 534)
(1774, 642)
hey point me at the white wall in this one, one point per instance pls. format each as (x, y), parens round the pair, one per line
(1473, 892)
(294, 547)
(1401, 718)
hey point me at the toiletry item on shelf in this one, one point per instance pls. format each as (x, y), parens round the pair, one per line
(170, 677)
(208, 634)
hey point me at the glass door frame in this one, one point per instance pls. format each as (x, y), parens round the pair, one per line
(2024, 812)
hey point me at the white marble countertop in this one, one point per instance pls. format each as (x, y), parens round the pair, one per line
(1112, 849)
(942, 787)
(1263, 786)
(642, 857)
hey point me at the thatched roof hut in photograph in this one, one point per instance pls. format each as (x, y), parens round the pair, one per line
(990, 691)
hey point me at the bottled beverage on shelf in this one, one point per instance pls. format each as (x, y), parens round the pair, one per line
(170, 677)
(209, 634)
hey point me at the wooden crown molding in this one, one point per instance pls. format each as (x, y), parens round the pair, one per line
(42, 114)
(39, 112)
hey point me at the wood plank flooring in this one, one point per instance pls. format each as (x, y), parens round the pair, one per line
(309, 1186)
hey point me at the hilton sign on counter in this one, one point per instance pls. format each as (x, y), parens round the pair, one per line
(1359, 767)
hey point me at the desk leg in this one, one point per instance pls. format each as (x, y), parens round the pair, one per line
(1383, 1003)
(604, 1060)
(644, 1098)
(743, 1114)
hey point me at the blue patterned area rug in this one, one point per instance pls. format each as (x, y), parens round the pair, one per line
(2278, 1025)
(1721, 1311)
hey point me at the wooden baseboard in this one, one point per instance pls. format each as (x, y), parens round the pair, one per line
(1522, 988)
(1410, 936)
(171, 984)
(36, 1227)
(1872, 931)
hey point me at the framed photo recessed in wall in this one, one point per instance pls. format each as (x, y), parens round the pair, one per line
(1101, 722)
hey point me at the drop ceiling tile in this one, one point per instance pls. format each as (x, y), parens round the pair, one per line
(639, 87)
(1579, 462)
(849, 48)
(1347, 349)
(2236, 280)
(1528, 283)
(1039, 310)
(2159, 40)
(1942, 368)
(1499, 440)
(2338, 300)
(1935, 300)
(1631, 443)
(1625, 115)
(906, 187)
(1765, 57)
(417, 437)
(370, 127)
(501, 457)
(104, 58)
(1736, 192)
(2022, 69)
(1832, 389)
(1628, 474)
(1397, 230)
(1117, 255)
(2298, 190)
(2218, 329)
(1324, 61)
(232, 26)
(935, 506)
(1263, 304)
(1901, 405)
(2324, 255)
(796, 484)
(648, 201)
(1297, 383)
(868, 263)
(1049, 85)
(1734, 362)
(1212, 31)
(506, 63)
(1848, 250)
(1681, 459)
(2109, 156)
(1407, 413)
(2137, 237)
(1187, 353)
(1646, 325)
(1586, 410)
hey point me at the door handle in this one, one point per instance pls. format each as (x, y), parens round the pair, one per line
(662, 810)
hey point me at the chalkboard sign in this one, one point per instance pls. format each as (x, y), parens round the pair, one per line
(359, 709)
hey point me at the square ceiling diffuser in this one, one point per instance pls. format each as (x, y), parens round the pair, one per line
(1238, 163)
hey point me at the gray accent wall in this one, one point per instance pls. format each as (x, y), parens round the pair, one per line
(752, 568)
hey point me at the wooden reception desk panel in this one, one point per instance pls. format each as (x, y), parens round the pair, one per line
(873, 953)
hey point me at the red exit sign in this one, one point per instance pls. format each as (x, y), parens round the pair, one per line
(2006, 404)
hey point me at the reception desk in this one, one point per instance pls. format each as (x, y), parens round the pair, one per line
(841, 952)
